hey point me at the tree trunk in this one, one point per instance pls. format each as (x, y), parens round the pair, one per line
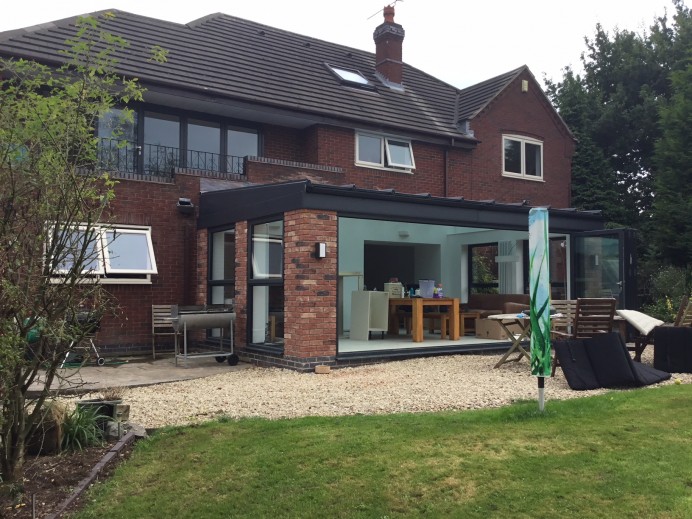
(13, 436)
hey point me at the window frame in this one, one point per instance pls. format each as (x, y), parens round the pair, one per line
(269, 281)
(97, 251)
(523, 141)
(105, 273)
(127, 230)
(386, 141)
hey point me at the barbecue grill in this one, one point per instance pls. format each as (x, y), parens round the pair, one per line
(204, 317)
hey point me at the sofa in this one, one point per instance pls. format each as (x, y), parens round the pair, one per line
(490, 304)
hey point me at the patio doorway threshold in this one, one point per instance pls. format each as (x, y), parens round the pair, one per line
(393, 349)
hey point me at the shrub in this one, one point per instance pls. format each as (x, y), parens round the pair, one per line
(668, 287)
(81, 429)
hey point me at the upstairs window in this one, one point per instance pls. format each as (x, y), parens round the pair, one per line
(385, 152)
(522, 157)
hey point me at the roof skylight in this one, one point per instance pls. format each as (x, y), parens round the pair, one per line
(350, 76)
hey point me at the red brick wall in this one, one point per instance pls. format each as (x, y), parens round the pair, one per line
(474, 174)
(309, 284)
(241, 278)
(526, 114)
(174, 237)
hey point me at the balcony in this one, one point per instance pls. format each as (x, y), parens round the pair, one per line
(127, 157)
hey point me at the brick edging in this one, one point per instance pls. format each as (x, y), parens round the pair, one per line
(83, 485)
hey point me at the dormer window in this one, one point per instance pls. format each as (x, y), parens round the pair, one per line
(383, 151)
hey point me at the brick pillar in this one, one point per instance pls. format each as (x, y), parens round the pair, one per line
(241, 276)
(310, 286)
(200, 274)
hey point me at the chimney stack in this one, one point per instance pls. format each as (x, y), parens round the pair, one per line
(388, 39)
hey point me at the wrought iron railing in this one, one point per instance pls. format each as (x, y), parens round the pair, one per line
(152, 159)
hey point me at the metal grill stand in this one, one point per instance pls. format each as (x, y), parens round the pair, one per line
(205, 317)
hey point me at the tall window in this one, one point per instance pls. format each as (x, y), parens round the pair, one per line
(117, 131)
(483, 271)
(222, 268)
(164, 141)
(240, 144)
(385, 152)
(161, 142)
(522, 157)
(266, 283)
(203, 145)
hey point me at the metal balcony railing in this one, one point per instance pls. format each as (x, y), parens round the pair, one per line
(152, 159)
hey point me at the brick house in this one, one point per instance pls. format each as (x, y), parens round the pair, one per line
(255, 144)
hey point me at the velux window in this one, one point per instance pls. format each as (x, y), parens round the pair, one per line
(109, 252)
(522, 156)
(385, 152)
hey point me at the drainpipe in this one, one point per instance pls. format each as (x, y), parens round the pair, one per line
(446, 172)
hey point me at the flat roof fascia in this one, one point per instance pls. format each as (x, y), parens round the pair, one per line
(220, 209)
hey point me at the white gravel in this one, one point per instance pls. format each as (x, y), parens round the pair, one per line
(420, 385)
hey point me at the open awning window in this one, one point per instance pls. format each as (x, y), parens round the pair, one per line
(104, 251)
(128, 251)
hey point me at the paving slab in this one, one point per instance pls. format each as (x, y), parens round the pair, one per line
(136, 371)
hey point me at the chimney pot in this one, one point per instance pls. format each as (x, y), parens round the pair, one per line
(388, 13)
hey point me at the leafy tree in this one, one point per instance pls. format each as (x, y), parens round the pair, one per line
(672, 215)
(625, 82)
(49, 205)
(594, 183)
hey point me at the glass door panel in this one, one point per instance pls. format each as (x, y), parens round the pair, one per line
(161, 143)
(605, 266)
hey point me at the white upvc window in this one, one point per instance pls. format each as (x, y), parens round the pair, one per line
(128, 251)
(382, 151)
(81, 246)
(112, 253)
(522, 157)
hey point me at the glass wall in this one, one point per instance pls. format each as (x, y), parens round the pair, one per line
(483, 274)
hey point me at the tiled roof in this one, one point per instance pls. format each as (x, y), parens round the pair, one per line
(473, 99)
(224, 56)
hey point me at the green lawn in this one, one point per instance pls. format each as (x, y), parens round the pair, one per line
(624, 454)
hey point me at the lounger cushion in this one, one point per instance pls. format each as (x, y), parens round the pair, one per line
(643, 323)
(603, 361)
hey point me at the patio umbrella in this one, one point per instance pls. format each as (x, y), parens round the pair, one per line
(539, 291)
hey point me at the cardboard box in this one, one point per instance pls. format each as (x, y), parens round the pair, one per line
(489, 329)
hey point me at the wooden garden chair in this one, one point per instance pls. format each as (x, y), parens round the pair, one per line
(161, 324)
(591, 316)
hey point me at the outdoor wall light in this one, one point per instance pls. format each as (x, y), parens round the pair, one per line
(185, 206)
(403, 234)
(320, 250)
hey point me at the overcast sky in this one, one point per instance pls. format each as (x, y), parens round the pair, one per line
(459, 41)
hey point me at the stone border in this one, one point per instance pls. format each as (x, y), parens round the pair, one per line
(83, 485)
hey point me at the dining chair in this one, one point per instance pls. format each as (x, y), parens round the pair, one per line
(592, 315)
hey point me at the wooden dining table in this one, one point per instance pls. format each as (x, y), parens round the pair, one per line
(417, 304)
